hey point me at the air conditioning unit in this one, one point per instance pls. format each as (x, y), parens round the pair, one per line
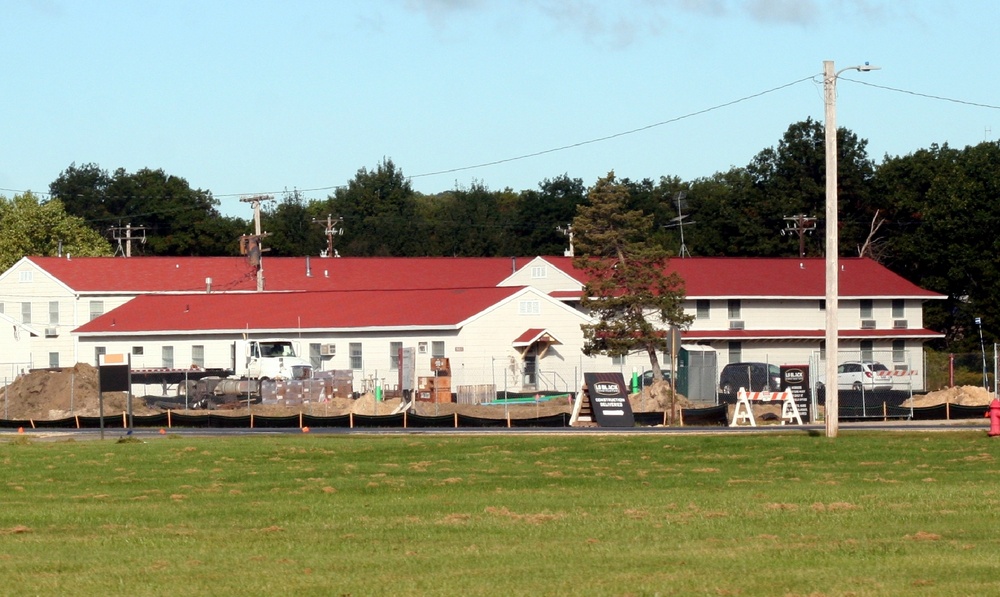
(328, 350)
(51, 332)
(868, 324)
(899, 324)
(736, 324)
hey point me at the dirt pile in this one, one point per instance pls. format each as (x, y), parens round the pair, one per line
(963, 395)
(55, 394)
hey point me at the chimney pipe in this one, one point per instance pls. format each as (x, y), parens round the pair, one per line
(208, 285)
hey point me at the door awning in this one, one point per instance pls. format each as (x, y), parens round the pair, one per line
(533, 336)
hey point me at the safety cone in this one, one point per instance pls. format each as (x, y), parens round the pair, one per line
(20, 429)
(305, 430)
(163, 432)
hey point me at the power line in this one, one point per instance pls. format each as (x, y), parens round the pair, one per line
(927, 95)
(616, 135)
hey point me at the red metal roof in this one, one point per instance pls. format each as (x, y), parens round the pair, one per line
(329, 310)
(188, 274)
(746, 277)
(695, 335)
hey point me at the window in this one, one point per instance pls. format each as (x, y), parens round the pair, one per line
(822, 350)
(899, 351)
(866, 309)
(822, 304)
(703, 308)
(394, 349)
(53, 312)
(867, 348)
(734, 308)
(529, 308)
(24, 276)
(356, 357)
(26, 313)
(617, 360)
(898, 309)
(316, 356)
(99, 351)
(437, 349)
(137, 351)
(168, 357)
(96, 309)
(538, 271)
(53, 360)
(198, 355)
(735, 352)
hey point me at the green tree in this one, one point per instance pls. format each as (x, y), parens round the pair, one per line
(379, 212)
(628, 289)
(942, 217)
(30, 227)
(175, 219)
(290, 227)
(742, 212)
(543, 215)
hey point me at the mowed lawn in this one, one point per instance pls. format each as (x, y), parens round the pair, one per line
(894, 513)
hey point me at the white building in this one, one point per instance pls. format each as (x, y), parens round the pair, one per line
(514, 323)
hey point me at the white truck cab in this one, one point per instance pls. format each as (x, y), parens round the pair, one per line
(269, 359)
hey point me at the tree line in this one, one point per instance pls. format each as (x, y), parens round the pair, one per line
(929, 216)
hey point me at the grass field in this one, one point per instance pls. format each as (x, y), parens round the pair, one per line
(863, 514)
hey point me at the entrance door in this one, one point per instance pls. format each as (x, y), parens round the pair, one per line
(529, 377)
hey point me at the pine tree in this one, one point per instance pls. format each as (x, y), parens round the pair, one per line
(628, 290)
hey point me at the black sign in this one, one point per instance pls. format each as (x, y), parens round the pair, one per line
(609, 399)
(113, 378)
(796, 379)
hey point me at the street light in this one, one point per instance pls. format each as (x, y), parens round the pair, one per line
(832, 262)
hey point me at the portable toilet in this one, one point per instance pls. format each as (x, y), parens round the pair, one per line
(697, 373)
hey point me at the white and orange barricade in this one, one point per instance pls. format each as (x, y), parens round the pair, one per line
(743, 413)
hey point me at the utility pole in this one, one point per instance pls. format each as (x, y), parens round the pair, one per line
(802, 225)
(124, 233)
(333, 228)
(252, 245)
(567, 231)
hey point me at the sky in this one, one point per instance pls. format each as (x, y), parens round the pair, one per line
(261, 97)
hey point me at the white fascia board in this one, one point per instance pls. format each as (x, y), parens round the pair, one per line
(525, 290)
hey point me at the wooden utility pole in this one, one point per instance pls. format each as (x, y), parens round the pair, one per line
(124, 233)
(802, 225)
(332, 229)
(254, 247)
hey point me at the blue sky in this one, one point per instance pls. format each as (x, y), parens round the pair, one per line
(255, 97)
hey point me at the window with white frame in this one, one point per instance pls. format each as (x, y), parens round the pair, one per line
(538, 271)
(898, 308)
(735, 308)
(529, 308)
(96, 309)
(735, 352)
(867, 350)
(25, 312)
(899, 351)
(24, 276)
(394, 349)
(168, 357)
(703, 308)
(198, 355)
(99, 351)
(437, 349)
(137, 351)
(316, 355)
(53, 312)
(357, 360)
(54, 360)
(867, 308)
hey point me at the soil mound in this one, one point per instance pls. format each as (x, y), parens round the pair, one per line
(963, 395)
(47, 394)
